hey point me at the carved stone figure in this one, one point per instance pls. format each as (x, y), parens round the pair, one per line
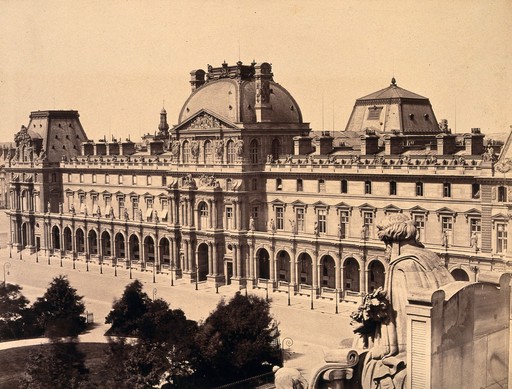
(219, 148)
(72, 209)
(474, 241)
(194, 149)
(292, 226)
(272, 226)
(126, 214)
(239, 148)
(315, 229)
(288, 378)
(156, 219)
(140, 215)
(61, 208)
(204, 121)
(489, 155)
(444, 239)
(252, 225)
(340, 234)
(385, 362)
(111, 212)
(48, 207)
(175, 150)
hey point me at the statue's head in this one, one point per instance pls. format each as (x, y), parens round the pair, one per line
(395, 228)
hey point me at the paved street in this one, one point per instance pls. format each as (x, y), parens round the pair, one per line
(312, 331)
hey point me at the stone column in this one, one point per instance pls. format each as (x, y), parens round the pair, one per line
(235, 262)
(210, 258)
(272, 265)
(192, 211)
(214, 213)
(215, 260)
(362, 277)
(210, 219)
(315, 271)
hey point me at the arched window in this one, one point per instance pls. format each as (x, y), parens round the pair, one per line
(253, 151)
(186, 152)
(208, 152)
(231, 152)
(276, 149)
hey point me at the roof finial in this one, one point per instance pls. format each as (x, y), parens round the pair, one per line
(393, 81)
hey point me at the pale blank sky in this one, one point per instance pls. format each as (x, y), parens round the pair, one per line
(117, 61)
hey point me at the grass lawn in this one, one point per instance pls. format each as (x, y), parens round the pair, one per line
(12, 362)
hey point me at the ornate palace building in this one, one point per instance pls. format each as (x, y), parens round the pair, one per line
(242, 191)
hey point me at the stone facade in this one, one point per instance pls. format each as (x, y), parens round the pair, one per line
(242, 191)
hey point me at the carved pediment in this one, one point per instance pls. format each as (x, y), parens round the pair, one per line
(204, 120)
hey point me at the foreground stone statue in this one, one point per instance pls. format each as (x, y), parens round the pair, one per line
(423, 329)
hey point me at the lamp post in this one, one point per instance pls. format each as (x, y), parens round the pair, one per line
(37, 256)
(74, 259)
(130, 265)
(10, 250)
(7, 265)
(21, 255)
(266, 291)
(61, 259)
(115, 266)
(154, 264)
(49, 260)
(289, 293)
(197, 275)
(312, 298)
(172, 272)
(336, 297)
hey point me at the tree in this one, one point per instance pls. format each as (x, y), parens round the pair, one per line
(237, 340)
(59, 312)
(127, 311)
(15, 318)
(57, 366)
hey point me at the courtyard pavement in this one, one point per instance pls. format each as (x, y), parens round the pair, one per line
(312, 331)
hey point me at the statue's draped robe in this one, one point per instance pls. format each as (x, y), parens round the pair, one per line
(415, 269)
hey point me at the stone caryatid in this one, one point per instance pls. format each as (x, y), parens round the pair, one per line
(381, 321)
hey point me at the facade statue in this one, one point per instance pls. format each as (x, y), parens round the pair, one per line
(340, 234)
(126, 215)
(292, 226)
(61, 208)
(219, 148)
(194, 149)
(272, 226)
(239, 148)
(72, 209)
(288, 378)
(48, 207)
(474, 241)
(444, 239)
(383, 329)
(252, 223)
(175, 150)
(315, 229)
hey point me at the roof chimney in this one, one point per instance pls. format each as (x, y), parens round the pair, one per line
(369, 143)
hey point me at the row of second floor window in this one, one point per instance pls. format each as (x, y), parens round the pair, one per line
(441, 232)
(368, 188)
(121, 179)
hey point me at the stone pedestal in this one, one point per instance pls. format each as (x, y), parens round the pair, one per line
(188, 275)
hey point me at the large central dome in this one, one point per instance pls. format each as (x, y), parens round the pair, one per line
(241, 94)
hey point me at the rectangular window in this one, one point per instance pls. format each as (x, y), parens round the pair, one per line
(322, 221)
(300, 185)
(279, 184)
(475, 191)
(120, 211)
(419, 189)
(367, 187)
(120, 179)
(107, 179)
(69, 177)
(447, 189)
(134, 180)
(419, 221)
(343, 233)
(81, 177)
(502, 194)
(148, 180)
(229, 217)
(321, 186)
(94, 178)
(54, 177)
(475, 231)
(501, 237)
(367, 224)
(254, 214)
(81, 203)
(344, 186)
(447, 227)
(392, 188)
(279, 218)
(149, 203)
(164, 180)
(299, 219)
(135, 208)
(94, 200)
(254, 184)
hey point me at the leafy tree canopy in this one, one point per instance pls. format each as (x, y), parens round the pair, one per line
(61, 366)
(127, 311)
(237, 339)
(14, 313)
(59, 311)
